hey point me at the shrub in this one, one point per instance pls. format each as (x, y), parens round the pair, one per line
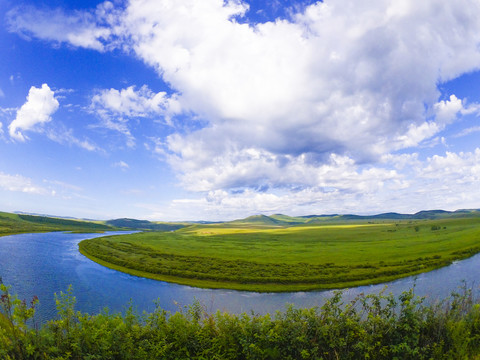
(376, 326)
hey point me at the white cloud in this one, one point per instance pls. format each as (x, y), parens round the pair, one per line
(293, 89)
(117, 107)
(131, 103)
(82, 29)
(122, 165)
(416, 134)
(65, 136)
(468, 131)
(447, 182)
(447, 110)
(39, 107)
(2, 94)
(221, 205)
(20, 183)
(64, 185)
(461, 167)
(288, 104)
(263, 170)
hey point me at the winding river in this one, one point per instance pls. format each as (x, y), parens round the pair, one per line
(47, 263)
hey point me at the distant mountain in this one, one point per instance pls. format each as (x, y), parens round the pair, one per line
(274, 220)
(203, 222)
(143, 225)
(387, 216)
(285, 220)
(259, 220)
(318, 216)
(49, 216)
(19, 223)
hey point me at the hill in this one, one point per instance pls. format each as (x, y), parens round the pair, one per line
(144, 225)
(20, 223)
(285, 220)
(13, 223)
(258, 220)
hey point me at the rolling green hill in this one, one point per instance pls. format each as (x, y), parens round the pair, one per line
(144, 224)
(285, 220)
(259, 220)
(20, 223)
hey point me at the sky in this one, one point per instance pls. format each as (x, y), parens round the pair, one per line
(213, 110)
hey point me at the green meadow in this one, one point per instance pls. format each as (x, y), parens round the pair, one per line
(272, 255)
(18, 223)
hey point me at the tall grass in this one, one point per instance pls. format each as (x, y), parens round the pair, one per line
(378, 326)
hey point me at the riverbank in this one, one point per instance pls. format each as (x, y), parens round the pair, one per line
(300, 258)
(44, 264)
(376, 326)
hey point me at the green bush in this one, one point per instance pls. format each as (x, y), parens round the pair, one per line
(377, 326)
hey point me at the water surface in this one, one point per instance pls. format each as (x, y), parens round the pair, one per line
(47, 263)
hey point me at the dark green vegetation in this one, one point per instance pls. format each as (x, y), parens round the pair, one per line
(23, 223)
(370, 327)
(279, 253)
(285, 220)
(143, 225)
(16, 224)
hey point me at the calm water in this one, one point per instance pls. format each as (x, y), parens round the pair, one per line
(44, 264)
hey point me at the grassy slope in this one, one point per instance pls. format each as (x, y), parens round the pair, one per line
(16, 224)
(259, 257)
(144, 224)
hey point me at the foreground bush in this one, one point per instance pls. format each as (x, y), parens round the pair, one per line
(376, 326)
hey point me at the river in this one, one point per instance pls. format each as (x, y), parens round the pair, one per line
(46, 263)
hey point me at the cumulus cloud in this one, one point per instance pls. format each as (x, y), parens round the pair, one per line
(462, 167)
(38, 109)
(402, 183)
(296, 89)
(447, 110)
(289, 102)
(132, 103)
(263, 170)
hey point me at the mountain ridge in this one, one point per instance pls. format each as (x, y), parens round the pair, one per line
(276, 219)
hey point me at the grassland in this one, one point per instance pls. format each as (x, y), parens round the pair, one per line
(16, 224)
(262, 256)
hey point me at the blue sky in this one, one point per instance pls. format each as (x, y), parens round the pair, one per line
(213, 110)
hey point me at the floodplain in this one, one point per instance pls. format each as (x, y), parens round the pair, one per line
(265, 256)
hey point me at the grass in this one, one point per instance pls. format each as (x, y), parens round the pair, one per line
(17, 224)
(259, 257)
